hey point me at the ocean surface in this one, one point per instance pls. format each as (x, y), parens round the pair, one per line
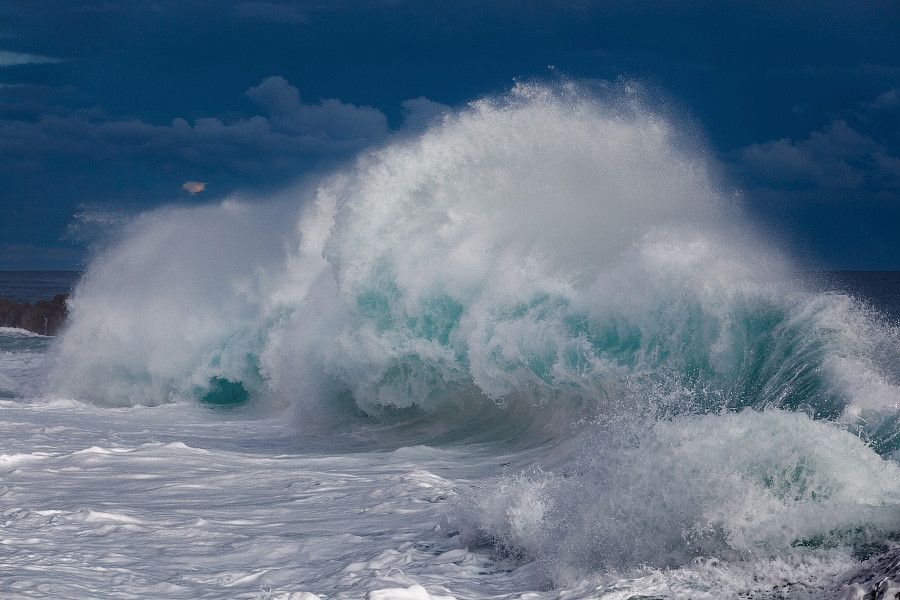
(534, 352)
(31, 286)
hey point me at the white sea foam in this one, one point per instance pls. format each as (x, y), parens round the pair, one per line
(732, 486)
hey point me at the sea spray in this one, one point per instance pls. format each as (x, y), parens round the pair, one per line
(173, 300)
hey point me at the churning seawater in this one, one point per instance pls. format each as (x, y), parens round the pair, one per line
(532, 352)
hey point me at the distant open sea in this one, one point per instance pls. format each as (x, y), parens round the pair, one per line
(31, 286)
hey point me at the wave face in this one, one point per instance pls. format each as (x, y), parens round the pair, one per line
(535, 265)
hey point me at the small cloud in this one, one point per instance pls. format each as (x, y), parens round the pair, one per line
(12, 59)
(194, 186)
(419, 113)
(330, 117)
(837, 157)
(889, 100)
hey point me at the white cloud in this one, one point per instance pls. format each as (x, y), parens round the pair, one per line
(12, 59)
(292, 129)
(837, 157)
(330, 118)
(889, 100)
(263, 151)
(419, 113)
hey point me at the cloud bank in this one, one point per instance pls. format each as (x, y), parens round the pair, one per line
(836, 157)
(57, 159)
(330, 118)
(288, 138)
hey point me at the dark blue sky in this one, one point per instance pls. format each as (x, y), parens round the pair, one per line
(114, 105)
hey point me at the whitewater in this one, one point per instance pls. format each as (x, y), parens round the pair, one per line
(534, 351)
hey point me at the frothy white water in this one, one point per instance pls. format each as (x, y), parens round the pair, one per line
(23, 362)
(179, 502)
(170, 503)
(732, 486)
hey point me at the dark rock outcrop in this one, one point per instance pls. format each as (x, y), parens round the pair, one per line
(46, 317)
